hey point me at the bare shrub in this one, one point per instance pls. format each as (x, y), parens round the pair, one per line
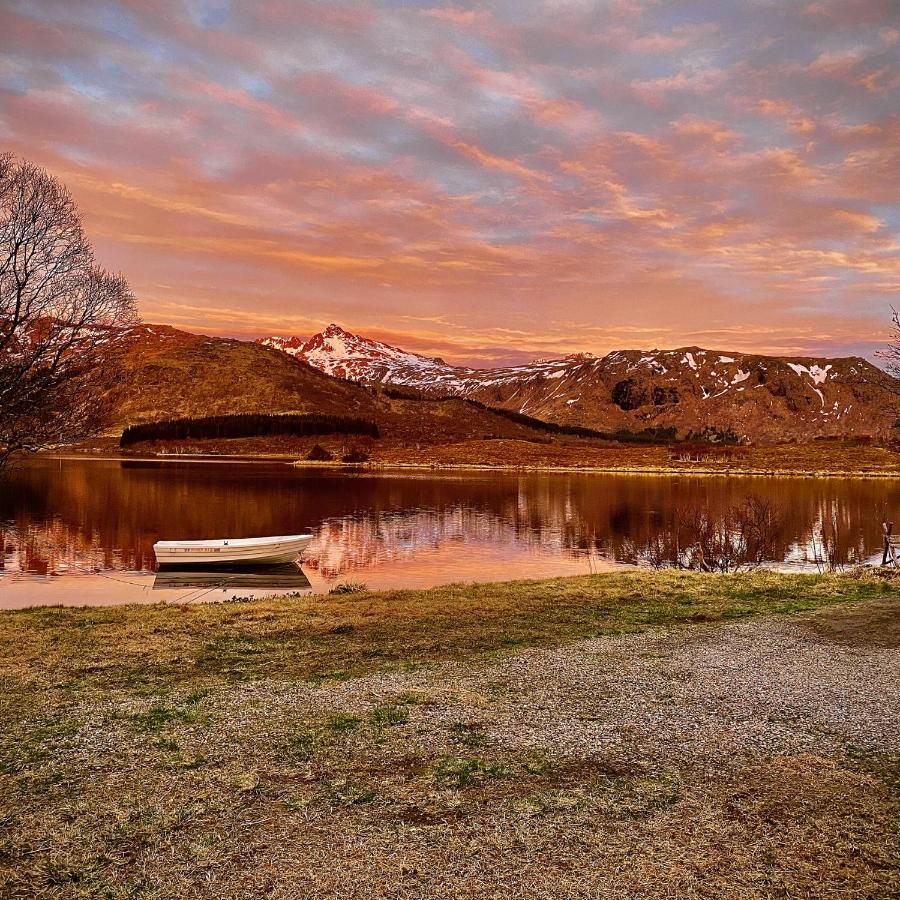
(657, 551)
(891, 354)
(356, 455)
(319, 454)
(701, 451)
(349, 587)
(891, 386)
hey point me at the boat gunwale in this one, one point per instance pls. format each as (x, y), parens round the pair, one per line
(236, 543)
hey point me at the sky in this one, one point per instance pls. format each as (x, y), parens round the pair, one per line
(487, 182)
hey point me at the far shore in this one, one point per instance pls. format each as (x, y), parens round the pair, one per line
(825, 459)
(473, 467)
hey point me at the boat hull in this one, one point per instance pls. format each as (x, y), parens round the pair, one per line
(244, 551)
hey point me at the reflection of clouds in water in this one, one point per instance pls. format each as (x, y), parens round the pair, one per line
(353, 543)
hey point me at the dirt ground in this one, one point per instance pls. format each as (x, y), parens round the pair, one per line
(753, 758)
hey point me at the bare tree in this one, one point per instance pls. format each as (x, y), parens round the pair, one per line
(64, 321)
(891, 354)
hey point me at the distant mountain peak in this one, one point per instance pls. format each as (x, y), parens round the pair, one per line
(347, 355)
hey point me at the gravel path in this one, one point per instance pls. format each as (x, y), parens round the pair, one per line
(752, 759)
(693, 694)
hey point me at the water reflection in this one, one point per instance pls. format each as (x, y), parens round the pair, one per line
(283, 578)
(79, 518)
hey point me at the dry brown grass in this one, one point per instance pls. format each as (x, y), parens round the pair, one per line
(530, 739)
(64, 650)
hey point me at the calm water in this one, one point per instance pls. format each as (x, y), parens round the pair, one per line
(82, 531)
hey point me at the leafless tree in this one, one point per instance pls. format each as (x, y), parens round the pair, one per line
(892, 352)
(64, 321)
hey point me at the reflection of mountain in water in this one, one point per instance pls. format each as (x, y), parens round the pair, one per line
(72, 516)
(349, 544)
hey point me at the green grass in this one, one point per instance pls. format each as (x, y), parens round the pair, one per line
(341, 723)
(469, 735)
(385, 716)
(460, 771)
(160, 715)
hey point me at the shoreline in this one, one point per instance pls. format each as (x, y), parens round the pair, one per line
(438, 467)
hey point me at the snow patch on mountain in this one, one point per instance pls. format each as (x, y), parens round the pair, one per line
(346, 355)
(817, 373)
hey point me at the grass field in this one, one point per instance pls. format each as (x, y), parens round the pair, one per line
(618, 735)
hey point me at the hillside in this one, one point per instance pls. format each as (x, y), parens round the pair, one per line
(696, 391)
(174, 374)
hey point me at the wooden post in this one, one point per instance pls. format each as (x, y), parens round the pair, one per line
(888, 531)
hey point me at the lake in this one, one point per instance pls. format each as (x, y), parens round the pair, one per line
(81, 531)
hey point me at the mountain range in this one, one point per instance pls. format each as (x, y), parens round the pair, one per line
(696, 392)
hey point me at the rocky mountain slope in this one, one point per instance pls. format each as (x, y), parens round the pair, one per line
(692, 390)
(347, 355)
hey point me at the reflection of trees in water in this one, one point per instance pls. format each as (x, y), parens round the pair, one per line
(54, 548)
(814, 520)
(107, 515)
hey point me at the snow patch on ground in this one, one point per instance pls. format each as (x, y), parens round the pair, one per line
(816, 373)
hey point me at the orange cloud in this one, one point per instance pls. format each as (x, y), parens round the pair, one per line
(533, 178)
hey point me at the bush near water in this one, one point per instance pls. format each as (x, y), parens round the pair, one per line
(245, 425)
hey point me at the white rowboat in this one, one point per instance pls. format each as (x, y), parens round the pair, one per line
(231, 551)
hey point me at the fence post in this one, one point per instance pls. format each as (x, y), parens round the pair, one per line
(888, 528)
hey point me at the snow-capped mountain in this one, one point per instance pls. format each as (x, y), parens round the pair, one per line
(347, 355)
(690, 389)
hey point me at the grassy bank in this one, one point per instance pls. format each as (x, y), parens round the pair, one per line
(59, 653)
(445, 742)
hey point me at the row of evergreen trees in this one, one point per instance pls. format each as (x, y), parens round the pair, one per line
(245, 425)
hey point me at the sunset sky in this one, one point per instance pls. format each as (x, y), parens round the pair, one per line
(486, 182)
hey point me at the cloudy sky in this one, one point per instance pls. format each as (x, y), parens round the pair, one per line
(484, 181)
